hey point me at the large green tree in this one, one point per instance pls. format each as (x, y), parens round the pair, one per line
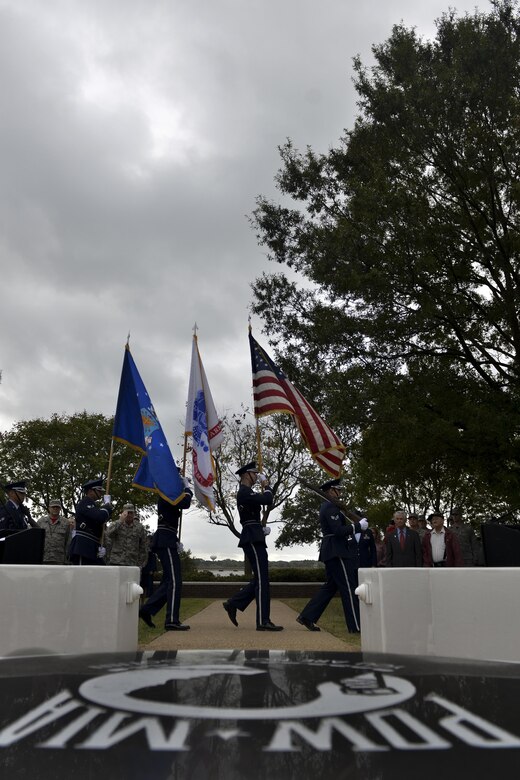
(408, 336)
(59, 454)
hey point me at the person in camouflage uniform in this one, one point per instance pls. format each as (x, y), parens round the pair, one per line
(57, 534)
(126, 540)
(468, 542)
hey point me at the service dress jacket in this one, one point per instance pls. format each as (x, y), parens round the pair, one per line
(168, 521)
(13, 516)
(338, 534)
(90, 520)
(250, 509)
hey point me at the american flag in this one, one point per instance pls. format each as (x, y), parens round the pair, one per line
(273, 392)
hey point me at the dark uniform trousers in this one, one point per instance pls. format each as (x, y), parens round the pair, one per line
(164, 545)
(258, 587)
(170, 589)
(340, 554)
(342, 576)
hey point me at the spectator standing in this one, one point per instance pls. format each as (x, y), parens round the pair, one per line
(57, 534)
(422, 527)
(468, 542)
(403, 546)
(440, 545)
(367, 550)
(126, 540)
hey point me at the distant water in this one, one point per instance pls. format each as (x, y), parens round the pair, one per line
(226, 572)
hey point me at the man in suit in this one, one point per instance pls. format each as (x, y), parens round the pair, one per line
(339, 553)
(252, 541)
(90, 523)
(13, 514)
(403, 546)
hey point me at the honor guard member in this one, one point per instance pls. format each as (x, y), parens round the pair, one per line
(252, 541)
(339, 553)
(90, 521)
(167, 546)
(57, 534)
(13, 514)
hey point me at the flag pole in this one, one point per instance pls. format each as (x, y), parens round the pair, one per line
(185, 450)
(260, 464)
(258, 442)
(111, 454)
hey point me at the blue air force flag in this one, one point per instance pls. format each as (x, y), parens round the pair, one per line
(136, 424)
(205, 428)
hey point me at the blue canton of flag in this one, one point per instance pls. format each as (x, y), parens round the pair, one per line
(136, 424)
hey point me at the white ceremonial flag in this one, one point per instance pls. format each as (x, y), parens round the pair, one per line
(205, 428)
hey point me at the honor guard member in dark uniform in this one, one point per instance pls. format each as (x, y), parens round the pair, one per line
(339, 553)
(13, 514)
(252, 541)
(166, 544)
(90, 521)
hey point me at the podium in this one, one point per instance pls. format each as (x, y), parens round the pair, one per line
(501, 544)
(22, 547)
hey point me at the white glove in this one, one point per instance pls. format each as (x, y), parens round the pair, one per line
(180, 547)
(363, 524)
(107, 499)
(102, 551)
(266, 530)
(186, 481)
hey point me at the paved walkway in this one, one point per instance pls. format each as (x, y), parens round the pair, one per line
(212, 629)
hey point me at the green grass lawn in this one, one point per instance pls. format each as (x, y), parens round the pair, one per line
(189, 607)
(332, 620)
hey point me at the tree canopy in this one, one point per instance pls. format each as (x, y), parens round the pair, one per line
(59, 454)
(406, 330)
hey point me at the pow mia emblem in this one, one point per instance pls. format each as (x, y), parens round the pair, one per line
(128, 691)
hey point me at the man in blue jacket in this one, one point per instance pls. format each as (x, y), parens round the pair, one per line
(252, 541)
(339, 553)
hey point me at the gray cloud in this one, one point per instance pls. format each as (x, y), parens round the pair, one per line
(134, 139)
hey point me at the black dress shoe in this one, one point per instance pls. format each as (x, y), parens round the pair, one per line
(232, 612)
(146, 618)
(307, 623)
(176, 627)
(269, 627)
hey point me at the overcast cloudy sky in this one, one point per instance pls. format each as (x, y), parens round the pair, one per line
(135, 136)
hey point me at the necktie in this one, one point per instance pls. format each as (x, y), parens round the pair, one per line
(401, 539)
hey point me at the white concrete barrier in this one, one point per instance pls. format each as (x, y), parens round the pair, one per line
(457, 613)
(68, 609)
